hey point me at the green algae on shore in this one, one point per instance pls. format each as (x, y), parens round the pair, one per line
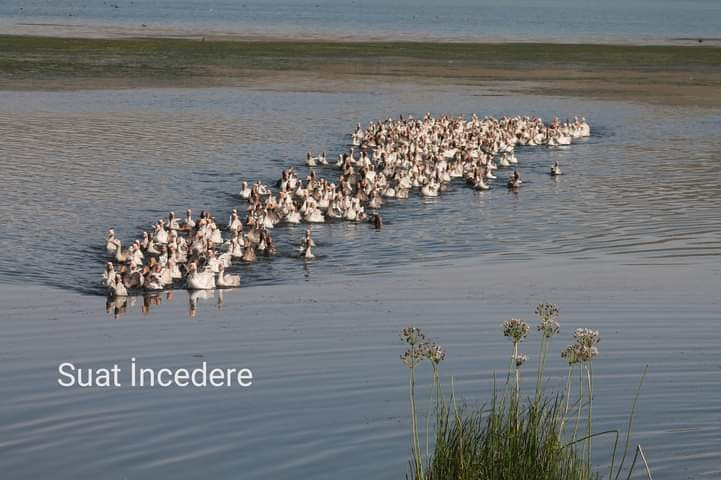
(283, 54)
(654, 73)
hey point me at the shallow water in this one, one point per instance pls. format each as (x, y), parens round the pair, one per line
(643, 189)
(329, 399)
(628, 242)
(564, 20)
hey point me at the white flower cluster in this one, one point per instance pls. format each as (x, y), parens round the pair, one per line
(412, 335)
(420, 349)
(548, 313)
(412, 357)
(435, 353)
(587, 337)
(585, 347)
(515, 329)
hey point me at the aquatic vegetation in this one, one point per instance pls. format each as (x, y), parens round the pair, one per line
(548, 313)
(415, 354)
(515, 329)
(169, 60)
(512, 439)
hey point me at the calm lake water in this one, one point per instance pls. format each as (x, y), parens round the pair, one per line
(633, 228)
(565, 20)
(643, 189)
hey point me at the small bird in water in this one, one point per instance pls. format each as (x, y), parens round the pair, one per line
(556, 169)
(515, 180)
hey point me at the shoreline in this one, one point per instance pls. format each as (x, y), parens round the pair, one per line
(668, 74)
(110, 31)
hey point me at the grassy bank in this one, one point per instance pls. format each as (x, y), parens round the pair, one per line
(52, 63)
(550, 436)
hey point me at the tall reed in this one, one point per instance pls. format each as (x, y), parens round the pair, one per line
(512, 438)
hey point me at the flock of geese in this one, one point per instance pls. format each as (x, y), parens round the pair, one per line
(387, 160)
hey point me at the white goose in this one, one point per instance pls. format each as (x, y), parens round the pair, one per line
(115, 285)
(402, 193)
(314, 215)
(226, 281)
(430, 189)
(293, 216)
(117, 289)
(307, 253)
(110, 242)
(584, 128)
(234, 223)
(154, 282)
(480, 184)
(160, 235)
(196, 280)
(261, 188)
(245, 191)
(310, 161)
(248, 252)
(134, 278)
(188, 223)
(215, 236)
(236, 247)
(108, 274)
(175, 273)
(120, 255)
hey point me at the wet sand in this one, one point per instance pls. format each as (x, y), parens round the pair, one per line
(655, 74)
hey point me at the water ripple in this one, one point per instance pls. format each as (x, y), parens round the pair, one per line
(644, 188)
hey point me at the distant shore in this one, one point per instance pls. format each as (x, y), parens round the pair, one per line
(90, 29)
(660, 74)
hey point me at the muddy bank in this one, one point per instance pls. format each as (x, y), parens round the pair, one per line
(667, 74)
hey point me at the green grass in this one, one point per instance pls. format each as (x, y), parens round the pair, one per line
(494, 444)
(548, 436)
(64, 57)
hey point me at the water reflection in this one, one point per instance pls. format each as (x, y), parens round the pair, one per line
(117, 307)
(198, 296)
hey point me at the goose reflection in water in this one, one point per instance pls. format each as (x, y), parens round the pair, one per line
(121, 305)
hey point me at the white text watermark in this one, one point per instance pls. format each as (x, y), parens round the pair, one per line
(134, 375)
